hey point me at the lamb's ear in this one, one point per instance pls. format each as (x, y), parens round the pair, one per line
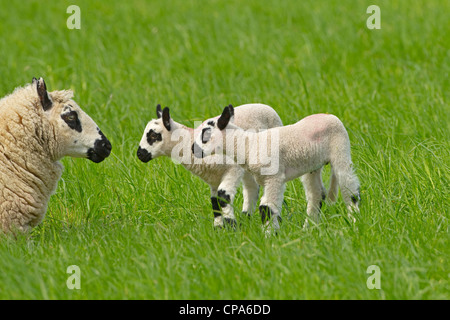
(232, 113)
(158, 111)
(46, 102)
(166, 118)
(224, 118)
(231, 110)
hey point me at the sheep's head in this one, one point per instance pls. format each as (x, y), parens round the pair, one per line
(210, 136)
(76, 134)
(157, 135)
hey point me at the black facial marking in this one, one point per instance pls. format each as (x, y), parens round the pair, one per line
(153, 136)
(144, 155)
(71, 118)
(101, 150)
(224, 198)
(206, 135)
(197, 151)
(216, 207)
(211, 123)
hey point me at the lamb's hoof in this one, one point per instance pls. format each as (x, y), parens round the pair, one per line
(232, 223)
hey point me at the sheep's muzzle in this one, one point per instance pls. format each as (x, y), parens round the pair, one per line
(101, 150)
(144, 155)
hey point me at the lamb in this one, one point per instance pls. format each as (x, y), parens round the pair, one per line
(300, 149)
(37, 129)
(161, 138)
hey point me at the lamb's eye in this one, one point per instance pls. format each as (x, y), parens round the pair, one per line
(153, 135)
(206, 135)
(71, 117)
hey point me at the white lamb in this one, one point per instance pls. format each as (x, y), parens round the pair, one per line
(165, 137)
(37, 129)
(300, 149)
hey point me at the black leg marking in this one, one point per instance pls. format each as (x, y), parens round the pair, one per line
(230, 222)
(245, 213)
(266, 214)
(216, 207)
(224, 198)
(320, 205)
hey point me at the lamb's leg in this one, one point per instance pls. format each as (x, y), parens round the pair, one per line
(315, 194)
(349, 185)
(218, 219)
(271, 204)
(251, 193)
(226, 192)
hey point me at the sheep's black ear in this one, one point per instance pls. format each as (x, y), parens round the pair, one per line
(166, 118)
(158, 111)
(224, 118)
(46, 102)
(231, 110)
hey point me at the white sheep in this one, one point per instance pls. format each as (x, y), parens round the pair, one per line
(165, 137)
(37, 129)
(278, 155)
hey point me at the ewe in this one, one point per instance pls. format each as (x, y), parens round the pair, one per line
(165, 137)
(300, 149)
(37, 129)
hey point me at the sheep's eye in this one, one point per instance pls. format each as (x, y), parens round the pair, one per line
(71, 118)
(153, 136)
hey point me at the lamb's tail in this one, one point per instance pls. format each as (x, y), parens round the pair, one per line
(334, 188)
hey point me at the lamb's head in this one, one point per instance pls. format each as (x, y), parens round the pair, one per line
(157, 136)
(210, 136)
(75, 133)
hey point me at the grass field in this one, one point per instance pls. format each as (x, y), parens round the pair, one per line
(145, 231)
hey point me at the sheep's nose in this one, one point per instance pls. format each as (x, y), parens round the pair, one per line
(103, 147)
(144, 155)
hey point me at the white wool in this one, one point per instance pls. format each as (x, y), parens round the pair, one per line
(222, 177)
(301, 149)
(32, 141)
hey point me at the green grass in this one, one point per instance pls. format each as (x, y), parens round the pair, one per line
(144, 231)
